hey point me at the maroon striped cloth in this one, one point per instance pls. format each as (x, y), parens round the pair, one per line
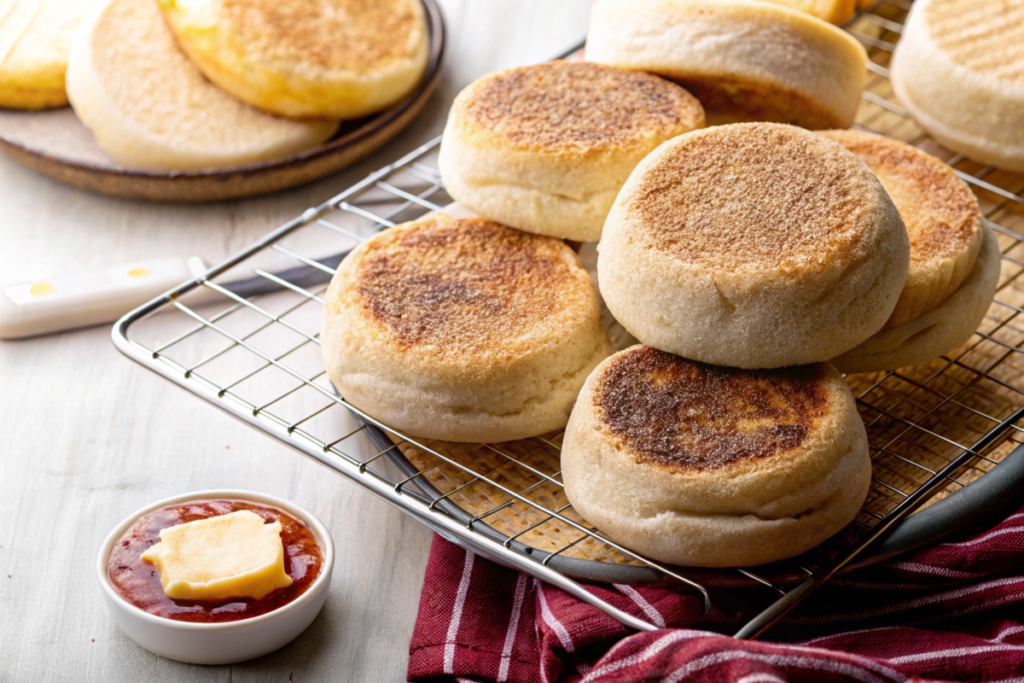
(954, 611)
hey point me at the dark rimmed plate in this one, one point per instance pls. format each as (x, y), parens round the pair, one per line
(56, 144)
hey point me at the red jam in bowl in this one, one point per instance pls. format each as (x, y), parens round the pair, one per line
(138, 582)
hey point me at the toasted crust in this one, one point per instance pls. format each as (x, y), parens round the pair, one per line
(750, 196)
(459, 288)
(714, 467)
(744, 60)
(310, 31)
(771, 238)
(306, 58)
(577, 109)
(462, 330)
(684, 415)
(546, 148)
(941, 214)
(959, 70)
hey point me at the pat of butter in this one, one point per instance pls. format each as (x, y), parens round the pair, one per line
(231, 556)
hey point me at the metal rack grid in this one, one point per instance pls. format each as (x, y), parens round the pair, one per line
(254, 353)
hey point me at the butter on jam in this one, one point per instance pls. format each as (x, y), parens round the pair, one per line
(235, 555)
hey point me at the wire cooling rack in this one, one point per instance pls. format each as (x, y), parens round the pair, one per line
(254, 353)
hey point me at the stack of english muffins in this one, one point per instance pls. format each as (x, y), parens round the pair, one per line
(170, 85)
(750, 244)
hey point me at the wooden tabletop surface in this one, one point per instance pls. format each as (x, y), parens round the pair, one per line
(88, 437)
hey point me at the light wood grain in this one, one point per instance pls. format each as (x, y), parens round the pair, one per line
(88, 437)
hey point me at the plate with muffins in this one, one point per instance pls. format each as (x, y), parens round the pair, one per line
(198, 101)
(641, 342)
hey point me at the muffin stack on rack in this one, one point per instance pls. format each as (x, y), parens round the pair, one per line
(744, 257)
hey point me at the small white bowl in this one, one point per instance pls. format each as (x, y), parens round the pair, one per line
(230, 641)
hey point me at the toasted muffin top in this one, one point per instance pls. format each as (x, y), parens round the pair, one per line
(754, 195)
(687, 415)
(939, 210)
(343, 35)
(577, 107)
(461, 287)
(982, 36)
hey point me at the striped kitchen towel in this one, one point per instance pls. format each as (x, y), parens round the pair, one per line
(953, 611)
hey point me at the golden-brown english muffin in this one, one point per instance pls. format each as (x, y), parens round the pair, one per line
(462, 330)
(941, 214)
(939, 331)
(832, 11)
(745, 60)
(546, 148)
(35, 39)
(704, 466)
(330, 59)
(150, 107)
(753, 245)
(959, 70)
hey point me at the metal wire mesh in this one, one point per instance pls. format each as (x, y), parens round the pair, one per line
(257, 356)
(920, 418)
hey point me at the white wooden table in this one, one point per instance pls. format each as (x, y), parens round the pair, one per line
(88, 437)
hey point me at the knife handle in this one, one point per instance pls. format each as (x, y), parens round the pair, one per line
(66, 302)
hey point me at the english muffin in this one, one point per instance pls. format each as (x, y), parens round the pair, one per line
(149, 107)
(35, 38)
(832, 11)
(939, 331)
(462, 330)
(704, 466)
(332, 59)
(745, 60)
(753, 245)
(941, 214)
(546, 148)
(959, 70)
